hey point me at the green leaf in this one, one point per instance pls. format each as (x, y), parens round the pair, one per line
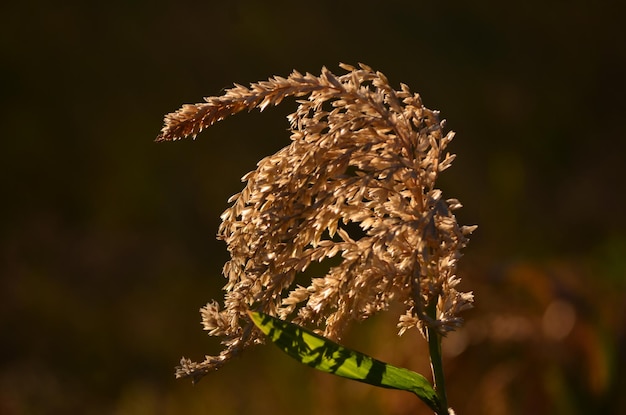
(328, 356)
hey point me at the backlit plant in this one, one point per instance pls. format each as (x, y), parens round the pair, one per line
(361, 155)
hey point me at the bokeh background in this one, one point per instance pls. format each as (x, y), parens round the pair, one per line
(107, 246)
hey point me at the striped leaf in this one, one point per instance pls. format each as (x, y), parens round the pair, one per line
(328, 356)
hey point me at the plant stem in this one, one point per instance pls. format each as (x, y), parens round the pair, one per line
(436, 363)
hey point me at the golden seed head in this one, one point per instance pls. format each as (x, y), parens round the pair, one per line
(363, 154)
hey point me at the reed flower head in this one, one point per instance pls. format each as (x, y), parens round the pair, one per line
(362, 157)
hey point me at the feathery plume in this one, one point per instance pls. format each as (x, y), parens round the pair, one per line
(361, 153)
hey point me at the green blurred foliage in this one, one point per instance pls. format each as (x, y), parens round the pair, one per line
(107, 239)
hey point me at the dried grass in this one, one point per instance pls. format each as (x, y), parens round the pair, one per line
(363, 153)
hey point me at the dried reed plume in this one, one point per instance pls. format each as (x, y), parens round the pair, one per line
(360, 153)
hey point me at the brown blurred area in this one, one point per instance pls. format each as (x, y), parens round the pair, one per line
(107, 247)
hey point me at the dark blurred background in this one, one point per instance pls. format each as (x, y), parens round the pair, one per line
(107, 238)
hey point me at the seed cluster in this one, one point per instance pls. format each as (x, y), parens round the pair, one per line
(356, 184)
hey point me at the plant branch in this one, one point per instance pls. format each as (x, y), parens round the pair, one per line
(436, 362)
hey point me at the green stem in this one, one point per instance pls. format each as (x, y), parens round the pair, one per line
(436, 362)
